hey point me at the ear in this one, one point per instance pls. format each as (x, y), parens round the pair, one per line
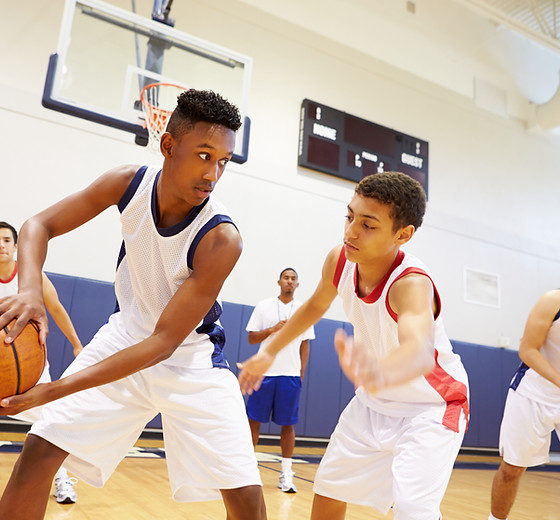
(404, 234)
(166, 144)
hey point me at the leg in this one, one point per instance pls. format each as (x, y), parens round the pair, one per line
(504, 488)
(287, 441)
(246, 503)
(27, 491)
(255, 431)
(324, 507)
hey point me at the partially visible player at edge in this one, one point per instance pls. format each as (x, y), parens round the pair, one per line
(162, 350)
(398, 438)
(63, 484)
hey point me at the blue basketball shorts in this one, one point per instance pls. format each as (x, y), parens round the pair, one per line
(277, 399)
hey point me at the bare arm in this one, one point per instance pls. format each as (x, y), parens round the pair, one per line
(536, 329)
(304, 355)
(258, 336)
(183, 313)
(252, 371)
(70, 213)
(59, 314)
(412, 299)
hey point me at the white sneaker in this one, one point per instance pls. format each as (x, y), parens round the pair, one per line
(64, 490)
(286, 482)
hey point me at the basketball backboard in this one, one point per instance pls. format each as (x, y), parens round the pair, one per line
(106, 55)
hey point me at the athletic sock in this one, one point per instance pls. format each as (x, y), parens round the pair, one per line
(61, 473)
(492, 517)
(286, 465)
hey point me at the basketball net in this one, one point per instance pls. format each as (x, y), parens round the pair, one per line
(158, 102)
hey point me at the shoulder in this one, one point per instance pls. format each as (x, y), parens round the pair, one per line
(548, 304)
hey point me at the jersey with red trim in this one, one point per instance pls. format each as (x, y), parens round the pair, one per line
(154, 262)
(445, 390)
(529, 383)
(9, 287)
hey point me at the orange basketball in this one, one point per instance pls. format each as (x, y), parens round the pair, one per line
(22, 361)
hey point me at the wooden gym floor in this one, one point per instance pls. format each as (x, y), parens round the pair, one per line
(139, 490)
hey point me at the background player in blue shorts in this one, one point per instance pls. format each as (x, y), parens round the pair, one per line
(278, 396)
(162, 350)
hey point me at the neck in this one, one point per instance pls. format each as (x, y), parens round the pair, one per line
(286, 298)
(7, 269)
(370, 275)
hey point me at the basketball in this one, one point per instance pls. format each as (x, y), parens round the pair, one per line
(22, 361)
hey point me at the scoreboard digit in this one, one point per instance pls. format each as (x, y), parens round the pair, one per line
(351, 148)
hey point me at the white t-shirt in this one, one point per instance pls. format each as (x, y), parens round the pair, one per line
(268, 313)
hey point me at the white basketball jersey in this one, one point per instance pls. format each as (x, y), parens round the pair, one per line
(375, 324)
(154, 262)
(531, 384)
(9, 287)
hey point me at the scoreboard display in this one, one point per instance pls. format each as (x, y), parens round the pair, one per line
(337, 143)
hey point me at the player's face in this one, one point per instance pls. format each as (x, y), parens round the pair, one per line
(7, 245)
(288, 282)
(368, 232)
(198, 159)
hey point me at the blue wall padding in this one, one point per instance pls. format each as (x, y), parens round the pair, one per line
(326, 391)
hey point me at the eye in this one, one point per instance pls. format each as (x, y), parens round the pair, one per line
(204, 156)
(223, 162)
(348, 218)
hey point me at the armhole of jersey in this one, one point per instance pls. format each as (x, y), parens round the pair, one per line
(557, 316)
(339, 267)
(131, 189)
(212, 223)
(413, 270)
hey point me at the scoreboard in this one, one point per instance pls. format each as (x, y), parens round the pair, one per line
(346, 146)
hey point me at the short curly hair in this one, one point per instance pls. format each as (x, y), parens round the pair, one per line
(401, 192)
(194, 106)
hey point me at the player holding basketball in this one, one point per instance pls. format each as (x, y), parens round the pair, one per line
(162, 351)
(532, 409)
(63, 484)
(278, 396)
(398, 438)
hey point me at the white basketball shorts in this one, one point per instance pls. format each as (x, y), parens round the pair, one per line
(206, 432)
(525, 430)
(377, 460)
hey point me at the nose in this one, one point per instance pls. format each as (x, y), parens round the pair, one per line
(213, 172)
(351, 230)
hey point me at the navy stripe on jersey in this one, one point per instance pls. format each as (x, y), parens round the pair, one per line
(212, 223)
(122, 254)
(180, 226)
(557, 316)
(521, 371)
(216, 334)
(132, 187)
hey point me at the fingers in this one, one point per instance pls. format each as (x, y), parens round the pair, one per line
(248, 383)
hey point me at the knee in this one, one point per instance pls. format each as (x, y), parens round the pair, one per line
(509, 473)
(40, 452)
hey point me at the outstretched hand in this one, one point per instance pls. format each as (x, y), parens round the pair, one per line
(23, 307)
(251, 372)
(35, 396)
(358, 362)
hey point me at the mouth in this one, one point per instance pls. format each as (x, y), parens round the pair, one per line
(349, 247)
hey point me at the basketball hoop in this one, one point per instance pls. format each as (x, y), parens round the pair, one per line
(158, 102)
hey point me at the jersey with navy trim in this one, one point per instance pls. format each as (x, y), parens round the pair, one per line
(154, 262)
(375, 324)
(531, 384)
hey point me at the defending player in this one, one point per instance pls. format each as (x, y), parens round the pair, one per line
(398, 438)
(162, 351)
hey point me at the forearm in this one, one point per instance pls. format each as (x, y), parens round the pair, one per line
(258, 336)
(406, 363)
(32, 252)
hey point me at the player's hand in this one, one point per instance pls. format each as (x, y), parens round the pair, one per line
(24, 307)
(251, 372)
(358, 362)
(35, 396)
(278, 326)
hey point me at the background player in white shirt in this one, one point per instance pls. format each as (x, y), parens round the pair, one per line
(532, 410)
(161, 351)
(278, 396)
(63, 484)
(398, 438)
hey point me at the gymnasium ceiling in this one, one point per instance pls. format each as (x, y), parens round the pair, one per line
(505, 54)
